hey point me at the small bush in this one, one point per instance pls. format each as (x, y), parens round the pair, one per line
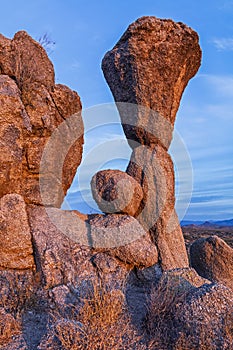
(102, 323)
(167, 296)
(47, 43)
(183, 317)
(17, 290)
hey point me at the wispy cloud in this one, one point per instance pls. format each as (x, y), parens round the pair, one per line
(210, 145)
(221, 83)
(223, 44)
(76, 65)
(226, 6)
(205, 123)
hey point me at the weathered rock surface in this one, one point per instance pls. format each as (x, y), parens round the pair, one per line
(31, 108)
(123, 237)
(16, 289)
(59, 258)
(153, 169)
(16, 250)
(189, 310)
(24, 59)
(147, 71)
(140, 253)
(184, 279)
(113, 230)
(150, 66)
(116, 192)
(205, 319)
(212, 258)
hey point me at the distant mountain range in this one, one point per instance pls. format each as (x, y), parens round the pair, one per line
(221, 223)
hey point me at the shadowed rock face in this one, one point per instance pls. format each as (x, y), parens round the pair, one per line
(32, 106)
(147, 71)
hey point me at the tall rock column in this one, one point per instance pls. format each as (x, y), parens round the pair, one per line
(32, 107)
(147, 72)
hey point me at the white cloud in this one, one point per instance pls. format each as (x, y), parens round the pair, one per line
(75, 65)
(221, 83)
(223, 44)
(226, 6)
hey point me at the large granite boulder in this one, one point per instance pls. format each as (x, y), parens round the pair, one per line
(123, 237)
(186, 311)
(150, 67)
(116, 192)
(212, 258)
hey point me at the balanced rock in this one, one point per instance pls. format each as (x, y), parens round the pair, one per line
(116, 192)
(212, 258)
(16, 250)
(150, 67)
(147, 71)
(32, 109)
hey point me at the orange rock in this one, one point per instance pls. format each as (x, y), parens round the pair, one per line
(150, 67)
(212, 258)
(147, 71)
(16, 250)
(9, 327)
(32, 107)
(116, 192)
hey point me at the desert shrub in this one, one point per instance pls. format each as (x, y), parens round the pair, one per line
(182, 317)
(47, 43)
(164, 299)
(17, 290)
(102, 323)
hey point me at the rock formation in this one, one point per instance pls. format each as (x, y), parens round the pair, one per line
(147, 72)
(69, 280)
(212, 258)
(32, 107)
(149, 67)
(189, 310)
(123, 237)
(15, 245)
(116, 192)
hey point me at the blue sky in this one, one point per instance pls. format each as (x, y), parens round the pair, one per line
(85, 30)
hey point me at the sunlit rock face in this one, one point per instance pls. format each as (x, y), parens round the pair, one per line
(147, 72)
(32, 106)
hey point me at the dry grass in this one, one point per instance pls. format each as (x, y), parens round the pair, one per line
(17, 290)
(164, 299)
(170, 326)
(102, 323)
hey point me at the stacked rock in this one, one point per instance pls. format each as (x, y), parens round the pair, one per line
(147, 71)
